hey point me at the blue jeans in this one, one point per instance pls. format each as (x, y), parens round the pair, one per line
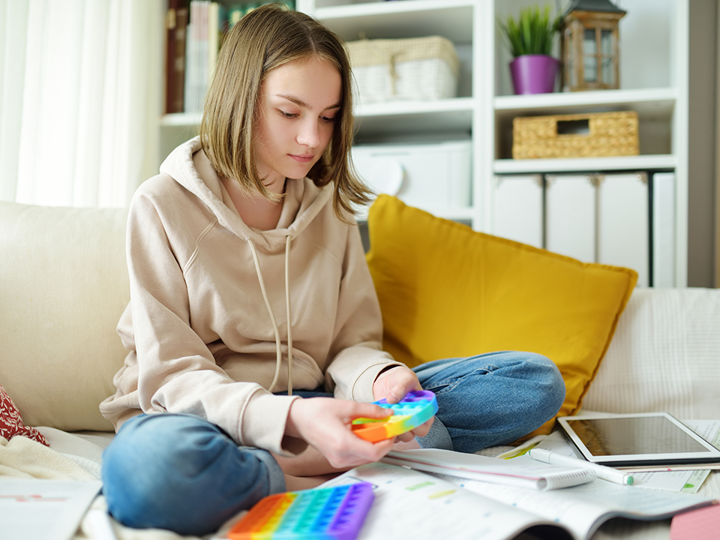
(182, 473)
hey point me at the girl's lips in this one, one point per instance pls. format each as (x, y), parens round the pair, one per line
(304, 158)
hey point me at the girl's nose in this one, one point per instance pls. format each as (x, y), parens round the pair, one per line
(309, 134)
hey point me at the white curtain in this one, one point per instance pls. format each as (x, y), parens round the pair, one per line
(80, 99)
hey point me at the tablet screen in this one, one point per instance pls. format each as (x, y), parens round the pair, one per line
(637, 438)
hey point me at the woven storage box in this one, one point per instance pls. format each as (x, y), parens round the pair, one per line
(605, 134)
(405, 69)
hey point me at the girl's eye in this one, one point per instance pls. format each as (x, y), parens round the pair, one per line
(287, 114)
(327, 119)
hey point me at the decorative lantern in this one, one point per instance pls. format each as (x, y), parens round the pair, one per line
(590, 51)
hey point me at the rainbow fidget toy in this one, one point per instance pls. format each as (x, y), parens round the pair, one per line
(335, 513)
(413, 410)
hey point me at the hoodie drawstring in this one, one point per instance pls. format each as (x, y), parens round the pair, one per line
(287, 309)
(278, 351)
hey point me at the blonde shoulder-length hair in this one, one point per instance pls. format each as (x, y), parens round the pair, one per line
(266, 38)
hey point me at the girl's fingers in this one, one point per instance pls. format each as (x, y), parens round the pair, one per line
(368, 410)
(324, 423)
(397, 383)
(423, 430)
(406, 437)
(357, 451)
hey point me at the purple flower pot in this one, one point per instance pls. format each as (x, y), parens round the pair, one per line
(534, 73)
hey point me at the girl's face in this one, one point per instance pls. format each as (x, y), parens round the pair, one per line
(298, 105)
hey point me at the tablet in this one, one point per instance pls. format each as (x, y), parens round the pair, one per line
(637, 439)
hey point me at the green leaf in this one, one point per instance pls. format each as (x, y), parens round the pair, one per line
(533, 32)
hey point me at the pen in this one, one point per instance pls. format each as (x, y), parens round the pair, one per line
(601, 471)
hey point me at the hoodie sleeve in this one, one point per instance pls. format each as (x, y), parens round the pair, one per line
(176, 371)
(357, 352)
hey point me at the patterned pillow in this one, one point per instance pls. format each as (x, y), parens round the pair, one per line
(11, 423)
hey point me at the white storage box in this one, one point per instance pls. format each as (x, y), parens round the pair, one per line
(405, 69)
(434, 177)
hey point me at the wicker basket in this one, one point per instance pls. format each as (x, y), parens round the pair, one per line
(405, 69)
(605, 134)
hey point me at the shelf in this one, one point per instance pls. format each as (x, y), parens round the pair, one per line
(409, 116)
(452, 19)
(650, 104)
(181, 120)
(388, 117)
(620, 163)
(453, 214)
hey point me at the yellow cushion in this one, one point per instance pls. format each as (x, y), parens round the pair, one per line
(447, 291)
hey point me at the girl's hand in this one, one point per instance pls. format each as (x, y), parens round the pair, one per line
(325, 424)
(392, 385)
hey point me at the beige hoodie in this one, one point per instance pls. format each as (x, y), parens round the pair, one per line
(200, 334)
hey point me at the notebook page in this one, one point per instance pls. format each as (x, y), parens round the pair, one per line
(582, 509)
(43, 509)
(439, 508)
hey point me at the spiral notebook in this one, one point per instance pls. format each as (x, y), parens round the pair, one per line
(521, 471)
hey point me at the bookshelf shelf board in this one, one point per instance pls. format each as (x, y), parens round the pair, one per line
(654, 103)
(389, 117)
(181, 119)
(594, 164)
(407, 116)
(453, 214)
(452, 19)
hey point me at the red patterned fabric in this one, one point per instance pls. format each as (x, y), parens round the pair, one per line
(11, 424)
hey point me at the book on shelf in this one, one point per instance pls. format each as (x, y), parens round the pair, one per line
(663, 229)
(571, 215)
(430, 506)
(196, 54)
(623, 214)
(214, 26)
(194, 34)
(176, 21)
(518, 208)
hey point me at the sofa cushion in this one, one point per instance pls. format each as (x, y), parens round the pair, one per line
(11, 423)
(448, 291)
(665, 356)
(63, 287)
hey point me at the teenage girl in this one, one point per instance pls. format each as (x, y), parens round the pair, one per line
(254, 332)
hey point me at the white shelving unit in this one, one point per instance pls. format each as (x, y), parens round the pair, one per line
(654, 41)
(654, 81)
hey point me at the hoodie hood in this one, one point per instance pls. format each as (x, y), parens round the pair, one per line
(190, 167)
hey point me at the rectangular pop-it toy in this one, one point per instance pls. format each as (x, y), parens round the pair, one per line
(335, 513)
(416, 408)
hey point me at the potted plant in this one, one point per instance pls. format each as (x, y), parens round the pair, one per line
(531, 40)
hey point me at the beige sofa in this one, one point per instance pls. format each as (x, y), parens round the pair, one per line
(64, 284)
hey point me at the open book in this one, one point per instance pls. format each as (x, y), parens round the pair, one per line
(431, 506)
